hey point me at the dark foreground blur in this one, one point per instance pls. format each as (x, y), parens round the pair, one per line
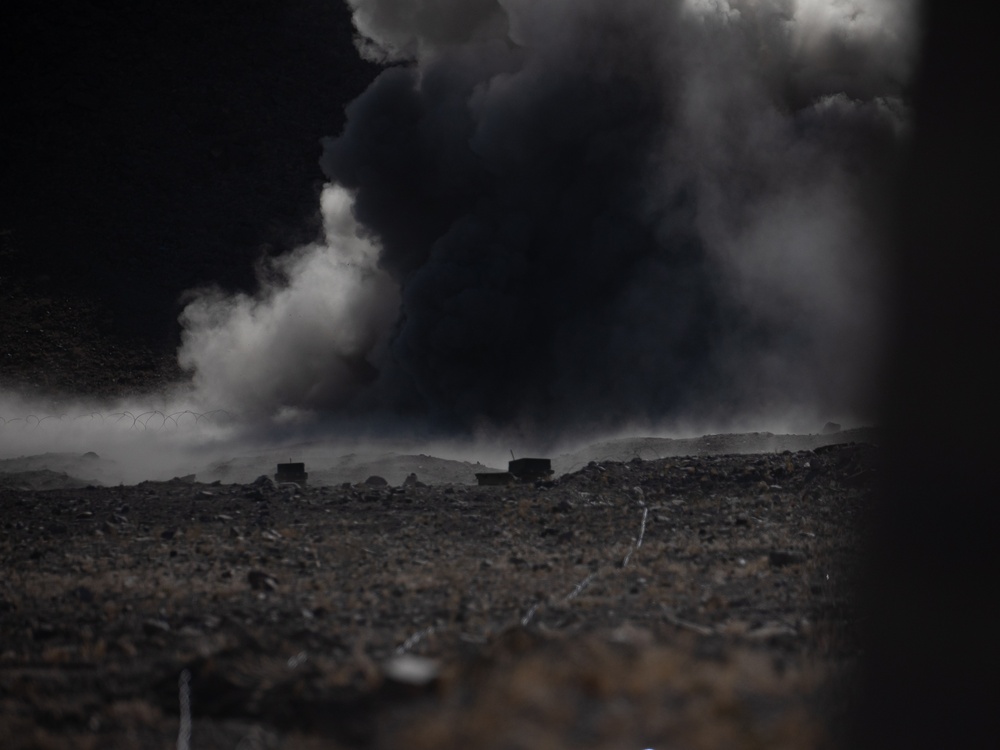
(932, 657)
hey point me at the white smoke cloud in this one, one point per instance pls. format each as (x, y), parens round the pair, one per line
(309, 339)
(763, 134)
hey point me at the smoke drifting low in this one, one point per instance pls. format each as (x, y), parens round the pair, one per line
(563, 215)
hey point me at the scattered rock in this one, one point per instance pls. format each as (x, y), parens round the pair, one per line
(771, 630)
(780, 559)
(153, 626)
(414, 671)
(43, 631)
(376, 481)
(261, 581)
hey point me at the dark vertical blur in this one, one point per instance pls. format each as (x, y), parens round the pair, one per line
(932, 658)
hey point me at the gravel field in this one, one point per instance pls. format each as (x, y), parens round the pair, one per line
(701, 601)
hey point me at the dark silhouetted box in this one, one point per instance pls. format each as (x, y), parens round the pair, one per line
(293, 472)
(528, 469)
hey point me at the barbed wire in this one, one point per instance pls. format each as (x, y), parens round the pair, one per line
(151, 419)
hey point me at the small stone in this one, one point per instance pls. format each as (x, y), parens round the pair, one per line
(43, 631)
(261, 581)
(408, 669)
(152, 626)
(376, 481)
(771, 630)
(780, 559)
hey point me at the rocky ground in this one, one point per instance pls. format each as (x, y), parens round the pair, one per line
(684, 602)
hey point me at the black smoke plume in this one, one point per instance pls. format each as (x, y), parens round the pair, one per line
(590, 214)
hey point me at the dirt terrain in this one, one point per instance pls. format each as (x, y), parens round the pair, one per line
(681, 602)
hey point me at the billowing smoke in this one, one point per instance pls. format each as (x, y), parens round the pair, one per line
(588, 214)
(307, 341)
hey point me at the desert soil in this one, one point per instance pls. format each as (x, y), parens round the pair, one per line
(684, 602)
